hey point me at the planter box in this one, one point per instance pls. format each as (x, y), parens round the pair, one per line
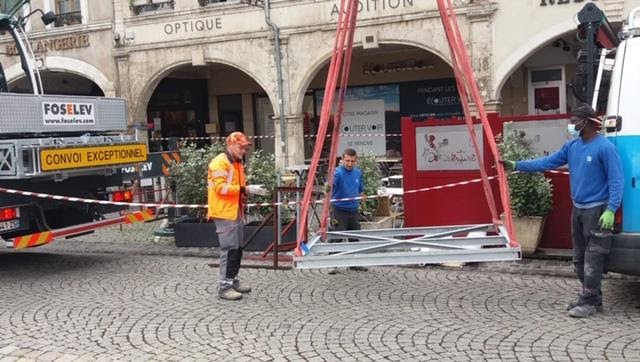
(379, 222)
(528, 230)
(265, 237)
(191, 233)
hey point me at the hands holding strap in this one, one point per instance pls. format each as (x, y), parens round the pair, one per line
(508, 164)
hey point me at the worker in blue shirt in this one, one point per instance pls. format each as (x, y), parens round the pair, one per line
(348, 182)
(596, 181)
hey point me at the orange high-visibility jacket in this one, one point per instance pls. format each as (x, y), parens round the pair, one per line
(224, 180)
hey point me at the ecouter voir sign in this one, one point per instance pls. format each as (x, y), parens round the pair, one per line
(55, 159)
(363, 127)
(68, 114)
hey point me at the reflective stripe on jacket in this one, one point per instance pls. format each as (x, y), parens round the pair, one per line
(224, 180)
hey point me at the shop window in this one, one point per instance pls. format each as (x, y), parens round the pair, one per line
(207, 2)
(230, 113)
(147, 7)
(547, 91)
(69, 12)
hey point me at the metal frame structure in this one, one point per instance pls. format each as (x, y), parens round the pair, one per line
(486, 242)
(422, 245)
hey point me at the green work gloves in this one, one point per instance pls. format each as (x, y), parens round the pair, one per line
(508, 164)
(606, 220)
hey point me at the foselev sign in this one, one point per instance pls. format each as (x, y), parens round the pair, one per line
(68, 114)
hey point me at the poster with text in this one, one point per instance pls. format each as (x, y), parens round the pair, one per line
(436, 98)
(446, 148)
(363, 127)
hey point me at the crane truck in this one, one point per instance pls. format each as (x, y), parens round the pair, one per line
(61, 145)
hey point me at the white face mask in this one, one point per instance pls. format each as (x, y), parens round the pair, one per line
(572, 129)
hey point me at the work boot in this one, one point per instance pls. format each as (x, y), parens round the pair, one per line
(241, 288)
(332, 271)
(578, 302)
(572, 305)
(358, 268)
(229, 294)
(583, 310)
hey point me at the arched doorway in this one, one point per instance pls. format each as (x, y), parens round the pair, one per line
(207, 101)
(385, 83)
(54, 82)
(550, 79)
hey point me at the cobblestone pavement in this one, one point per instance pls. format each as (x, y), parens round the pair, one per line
(98, 298)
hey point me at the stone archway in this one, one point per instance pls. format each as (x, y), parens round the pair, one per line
(322, 61)
(213, 99)
(68, 65)
(154, 79)
(378, 77)
(505, 69)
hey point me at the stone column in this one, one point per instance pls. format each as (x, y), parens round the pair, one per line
(137, 115)
(293, 119)
(213, 103)
(295, 139)
(480, 46)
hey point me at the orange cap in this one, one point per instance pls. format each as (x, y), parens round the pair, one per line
(238, 137)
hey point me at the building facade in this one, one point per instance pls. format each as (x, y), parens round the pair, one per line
(198, 68)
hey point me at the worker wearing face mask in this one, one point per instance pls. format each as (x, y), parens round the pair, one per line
(596, 181)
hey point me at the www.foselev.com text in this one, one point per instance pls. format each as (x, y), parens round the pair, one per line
(63, 121)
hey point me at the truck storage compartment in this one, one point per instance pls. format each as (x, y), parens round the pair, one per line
(29, 113)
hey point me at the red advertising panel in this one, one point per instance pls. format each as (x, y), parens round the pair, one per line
(439, 152)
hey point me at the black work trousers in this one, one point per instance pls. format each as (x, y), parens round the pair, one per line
(343, 220)
(591, 248)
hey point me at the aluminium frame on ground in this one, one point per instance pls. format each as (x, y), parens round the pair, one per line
(419, 245)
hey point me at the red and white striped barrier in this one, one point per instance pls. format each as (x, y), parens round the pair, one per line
(196, 206)
(271, 136)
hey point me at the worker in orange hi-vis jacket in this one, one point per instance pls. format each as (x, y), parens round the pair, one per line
(226, 190)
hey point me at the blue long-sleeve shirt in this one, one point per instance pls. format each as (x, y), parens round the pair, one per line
(595, 170)
(347, 184)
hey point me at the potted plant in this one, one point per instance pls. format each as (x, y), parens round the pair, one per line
(261, 170)
(531, 193)
(370, 209)
(190, 179)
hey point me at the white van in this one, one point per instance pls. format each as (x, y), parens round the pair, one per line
(623, 129)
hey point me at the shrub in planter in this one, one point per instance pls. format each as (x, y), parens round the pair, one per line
(190, 177)
(372, 181)
(531, 193)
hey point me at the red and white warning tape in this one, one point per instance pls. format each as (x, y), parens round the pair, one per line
(272, 136)
(196, 206)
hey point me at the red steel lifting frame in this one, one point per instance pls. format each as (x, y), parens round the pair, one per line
(466, 82)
